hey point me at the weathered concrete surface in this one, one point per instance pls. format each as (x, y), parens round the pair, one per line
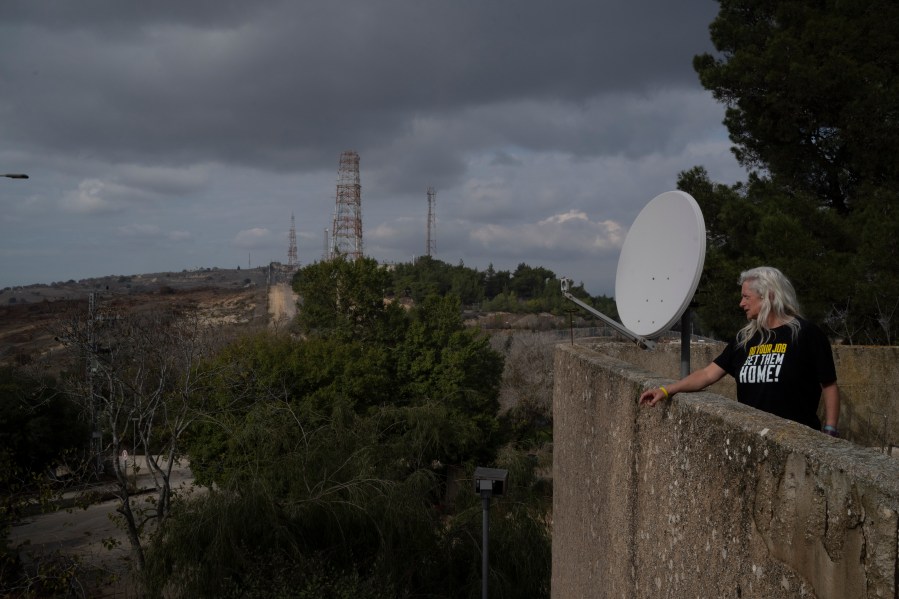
(704, 497)
(869, 383)
(868, 379)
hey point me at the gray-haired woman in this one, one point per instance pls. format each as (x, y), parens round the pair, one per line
(783, 364)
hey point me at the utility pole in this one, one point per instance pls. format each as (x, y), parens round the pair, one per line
(431, 246)
(96, 444)
(292, 245)
(488, 482)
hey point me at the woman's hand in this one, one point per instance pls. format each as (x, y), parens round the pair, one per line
(653, 396)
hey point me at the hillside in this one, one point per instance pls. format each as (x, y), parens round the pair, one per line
(28, 314)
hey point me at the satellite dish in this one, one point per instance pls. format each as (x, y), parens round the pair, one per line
(658, 269)
(660, 264)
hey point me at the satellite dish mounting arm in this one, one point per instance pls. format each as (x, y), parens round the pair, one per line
(641, 341)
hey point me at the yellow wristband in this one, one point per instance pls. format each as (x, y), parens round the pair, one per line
(665, 391)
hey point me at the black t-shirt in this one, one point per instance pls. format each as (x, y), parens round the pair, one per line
(783, 375)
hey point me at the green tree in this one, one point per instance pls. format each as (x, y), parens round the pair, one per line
(812, 97)
(343, 450)
(440, 375)
(429, 276)
(325, 374)
(496, 282)
(811, 91)
(426, 276)
(504, 302)
(443, 361)
(38, 424)
(39, 429)
(335, 490)
(529, 282)
(300, 485)
(346, 299)
(466, 285)
(757, 223)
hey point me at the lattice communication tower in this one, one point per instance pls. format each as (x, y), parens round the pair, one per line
(346, 234)
(431, 248)
(292, 246)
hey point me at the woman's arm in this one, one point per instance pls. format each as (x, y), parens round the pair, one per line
(696, 381)
(831, 395)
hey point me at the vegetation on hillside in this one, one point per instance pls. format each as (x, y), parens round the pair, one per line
(527, 289)
(349, 451)
(39, 430)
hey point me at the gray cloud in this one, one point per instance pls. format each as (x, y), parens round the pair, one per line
(218, 119)
(270, 86)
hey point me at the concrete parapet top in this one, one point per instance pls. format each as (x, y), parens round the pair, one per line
(867, 376)
(862, 461)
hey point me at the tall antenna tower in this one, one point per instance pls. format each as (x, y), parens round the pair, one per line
(346, 234)
(326, 250)
(292, 246)
(431, 248)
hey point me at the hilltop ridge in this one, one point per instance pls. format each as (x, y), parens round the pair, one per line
(29, 314)
(134, 284)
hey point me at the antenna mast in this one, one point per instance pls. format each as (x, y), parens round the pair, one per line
(431, 247)
(292, 246)
(347, 230)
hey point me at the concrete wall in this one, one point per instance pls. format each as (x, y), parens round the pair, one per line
(868, 379)
(704, 497)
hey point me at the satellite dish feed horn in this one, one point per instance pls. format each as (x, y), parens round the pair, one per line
(658, 270)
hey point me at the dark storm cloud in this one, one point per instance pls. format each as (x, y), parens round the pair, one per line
(273, 84)
(184, 134)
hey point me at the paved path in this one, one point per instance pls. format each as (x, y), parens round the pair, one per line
(85, 533)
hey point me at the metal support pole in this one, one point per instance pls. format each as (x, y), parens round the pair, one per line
(641, 341)
(485, 557)
(685, 343)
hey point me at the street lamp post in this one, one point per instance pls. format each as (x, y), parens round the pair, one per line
(488, 482)
(15, 176)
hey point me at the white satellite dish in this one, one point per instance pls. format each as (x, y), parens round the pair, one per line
(660, 264)
(659, 268)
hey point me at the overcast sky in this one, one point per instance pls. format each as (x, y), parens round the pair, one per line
(171, 135)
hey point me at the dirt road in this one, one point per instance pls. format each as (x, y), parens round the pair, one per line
(91, 535)
(282, 303)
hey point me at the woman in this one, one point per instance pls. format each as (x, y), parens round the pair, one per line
(782, 363)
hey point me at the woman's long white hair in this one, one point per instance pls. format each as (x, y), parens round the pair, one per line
(778, 299)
